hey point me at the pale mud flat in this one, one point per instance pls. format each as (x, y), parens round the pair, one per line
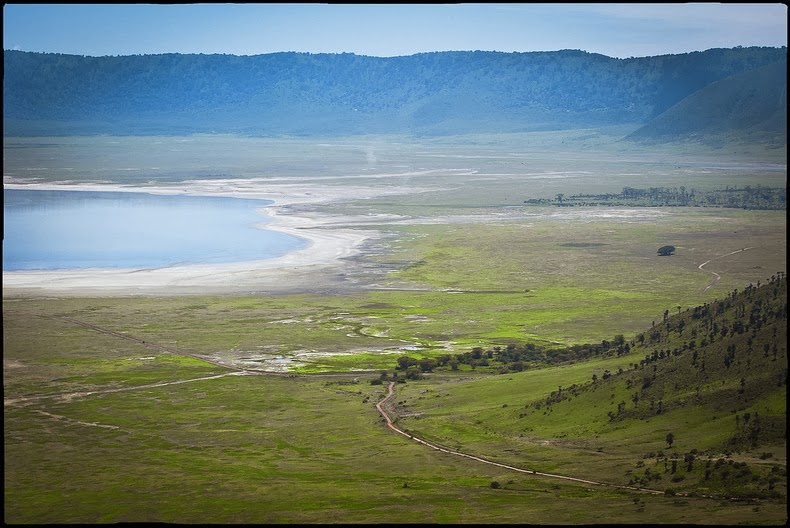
(330, 262)
(332, 242)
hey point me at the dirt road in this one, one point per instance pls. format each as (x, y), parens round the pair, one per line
(716, 276)
(390, 392)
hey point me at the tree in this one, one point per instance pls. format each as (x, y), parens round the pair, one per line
(689, 459)
(670, 439)
(413, 373)
(405, 362)
(427, 365)
(665, 251)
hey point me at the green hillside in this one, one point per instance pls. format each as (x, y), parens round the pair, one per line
(694, 405)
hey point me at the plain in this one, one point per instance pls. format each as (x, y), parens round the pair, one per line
(180, 408)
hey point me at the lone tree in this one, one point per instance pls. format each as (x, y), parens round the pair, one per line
(665, 251)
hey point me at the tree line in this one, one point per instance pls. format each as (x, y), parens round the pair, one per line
(739, 313)
(746, 197)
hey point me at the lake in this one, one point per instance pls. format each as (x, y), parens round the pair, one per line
(49, 230)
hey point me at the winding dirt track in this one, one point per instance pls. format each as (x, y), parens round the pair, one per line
(716, 276)
(391, 425)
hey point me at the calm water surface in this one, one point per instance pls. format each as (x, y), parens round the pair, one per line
(47, 230)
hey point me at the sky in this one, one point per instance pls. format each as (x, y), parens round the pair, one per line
(386, 30)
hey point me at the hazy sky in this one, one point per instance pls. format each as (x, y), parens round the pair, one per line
(385, 30)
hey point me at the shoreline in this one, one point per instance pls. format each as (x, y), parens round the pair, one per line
(308, 268)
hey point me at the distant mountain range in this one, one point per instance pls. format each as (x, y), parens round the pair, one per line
(737, 92)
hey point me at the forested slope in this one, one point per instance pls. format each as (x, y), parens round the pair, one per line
(330, 94)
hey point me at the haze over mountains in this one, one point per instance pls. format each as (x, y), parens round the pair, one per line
(718, 93)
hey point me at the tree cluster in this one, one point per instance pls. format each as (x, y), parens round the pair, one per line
(748, 197)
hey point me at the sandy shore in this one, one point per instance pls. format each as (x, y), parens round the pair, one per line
(331, 242)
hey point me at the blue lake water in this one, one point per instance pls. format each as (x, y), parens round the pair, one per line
(48, 230)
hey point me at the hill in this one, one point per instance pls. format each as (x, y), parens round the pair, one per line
(439, 93)
(700, 408)
(751, 105)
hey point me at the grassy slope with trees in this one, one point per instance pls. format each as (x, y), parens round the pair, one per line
(696, 404)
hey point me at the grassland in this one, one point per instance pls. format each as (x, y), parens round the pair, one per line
(98, 430)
